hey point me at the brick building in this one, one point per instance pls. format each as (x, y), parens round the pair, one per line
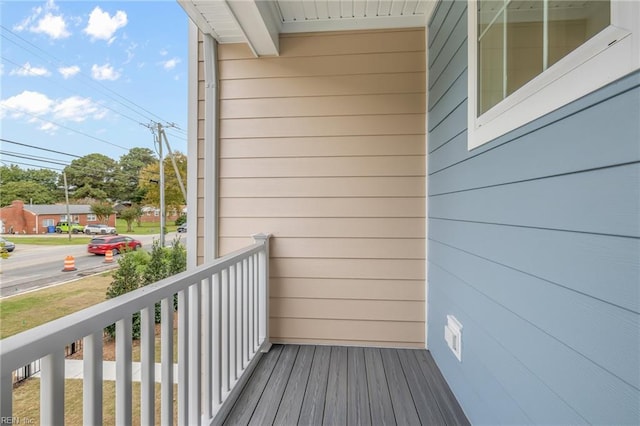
(37, 218)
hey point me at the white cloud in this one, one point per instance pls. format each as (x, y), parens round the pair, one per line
(68, 72)
(77, 109)
(52, 25)
(31, 103)
(104, 72)
(170, 64)
(45, 20)
(28, 71)
(38, 109)
(101, 26)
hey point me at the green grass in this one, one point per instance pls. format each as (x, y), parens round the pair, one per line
(51, 240)
(145, 228)
(27, 409)
(22, 312)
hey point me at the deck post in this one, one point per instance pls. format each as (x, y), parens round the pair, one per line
(263, 289)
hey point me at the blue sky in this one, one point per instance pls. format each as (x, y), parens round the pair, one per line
(83, 77)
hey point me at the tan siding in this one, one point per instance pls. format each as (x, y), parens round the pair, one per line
(339, 85)
(338, 146)
(325, 288)
(316, 106)
(324, 147)
(327, 207)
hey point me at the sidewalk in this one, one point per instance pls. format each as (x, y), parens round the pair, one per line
(73, 370)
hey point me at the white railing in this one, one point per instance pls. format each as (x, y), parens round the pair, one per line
(222, 328)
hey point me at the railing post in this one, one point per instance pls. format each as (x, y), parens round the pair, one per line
(52, 388)
(6, 393)
(92, 374)
(263, 289)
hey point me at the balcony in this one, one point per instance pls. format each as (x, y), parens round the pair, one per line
(227, 370)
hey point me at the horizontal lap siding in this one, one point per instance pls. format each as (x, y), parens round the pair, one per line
(324, 147)
(534, 245)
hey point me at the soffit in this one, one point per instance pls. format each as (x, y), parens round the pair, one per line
(259, 22)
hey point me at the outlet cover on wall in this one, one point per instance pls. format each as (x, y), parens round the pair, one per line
(453, 336)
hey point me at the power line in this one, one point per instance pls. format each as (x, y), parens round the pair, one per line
(37, 147)
(32, 165)
(32, 157)
(67, 127)
(60, 63)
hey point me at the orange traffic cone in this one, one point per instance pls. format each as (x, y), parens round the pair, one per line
(108, 256)
(69, 264)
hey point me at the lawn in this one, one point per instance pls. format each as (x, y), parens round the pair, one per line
(27, 394)
(51, 240)
(145, 228)
(29, 310)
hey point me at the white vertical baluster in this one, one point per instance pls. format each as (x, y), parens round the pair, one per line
(92, 379)
(195, 342)
(123, 371)
(147, 365)
(166, 352)
(217, 341)
(239, 319)
(207, 346)
(245, 310)
(6, 394)
(250, 334)
(232, 324)
(226, 339)
(52, 388)
(183, 357)
(256, 302)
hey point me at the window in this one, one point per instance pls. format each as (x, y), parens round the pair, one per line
(63, 218)
(91, 218)
(48, 222)
(531, 57)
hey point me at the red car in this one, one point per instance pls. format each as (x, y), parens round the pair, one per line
(116, 243)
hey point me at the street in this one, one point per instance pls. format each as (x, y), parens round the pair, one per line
(35, 266)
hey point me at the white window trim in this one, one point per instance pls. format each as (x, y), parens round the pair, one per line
(608, 56)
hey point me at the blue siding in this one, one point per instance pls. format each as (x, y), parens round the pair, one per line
(534, 245)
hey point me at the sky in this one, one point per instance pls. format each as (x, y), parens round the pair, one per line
(83, 77)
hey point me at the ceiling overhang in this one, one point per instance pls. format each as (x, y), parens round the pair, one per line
(260, 22)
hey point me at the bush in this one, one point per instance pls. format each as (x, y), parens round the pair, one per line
(181, 220)
(139, 268)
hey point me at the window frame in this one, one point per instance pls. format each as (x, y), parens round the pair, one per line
(606, 57)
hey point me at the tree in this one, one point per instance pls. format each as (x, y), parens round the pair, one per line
(130, 214)
(102, 210)
(27, 192)
(130, 166)
(88, 193)
(149, 182)
(96, 171)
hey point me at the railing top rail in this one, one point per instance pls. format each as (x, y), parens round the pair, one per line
(22, 348)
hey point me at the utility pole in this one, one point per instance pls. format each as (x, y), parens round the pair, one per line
(66, 196)
(162, 218)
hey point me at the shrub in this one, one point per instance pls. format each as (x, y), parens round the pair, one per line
(139, 268)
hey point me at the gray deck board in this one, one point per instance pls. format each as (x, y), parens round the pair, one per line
(267, 408)
(322, 385)
(358, 411)
(312, 411)
(380, 399)
(403, 406)
(295, 391)
(335, 408)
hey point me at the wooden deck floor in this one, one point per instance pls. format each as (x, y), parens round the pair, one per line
(321, 385)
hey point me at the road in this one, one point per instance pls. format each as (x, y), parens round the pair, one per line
(32, 266)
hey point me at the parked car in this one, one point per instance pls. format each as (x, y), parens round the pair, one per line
(99, 229)
(182, 228)
(8, 245)
(64, 227)
(115, 243)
